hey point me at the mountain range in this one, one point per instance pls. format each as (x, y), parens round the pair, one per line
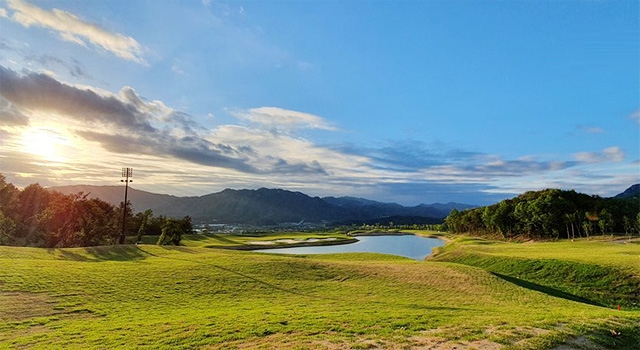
(631, 192)
(268, 206)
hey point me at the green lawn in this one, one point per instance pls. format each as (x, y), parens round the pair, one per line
(602, 271)
(189, 297)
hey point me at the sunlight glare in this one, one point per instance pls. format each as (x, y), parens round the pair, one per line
(44, 143)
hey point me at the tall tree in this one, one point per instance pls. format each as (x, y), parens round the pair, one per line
(174, 229)
(144, 222)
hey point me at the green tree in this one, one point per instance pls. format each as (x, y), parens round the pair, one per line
(628, 225)
(9, 195)
(173, 229)
(76, 221)
(7, 230)
(30, 217)
(144, 222)
(587, 227)
(498, 218)
(605, 221)
(453, 221)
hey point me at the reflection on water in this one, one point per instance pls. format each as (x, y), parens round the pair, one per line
(410, 246)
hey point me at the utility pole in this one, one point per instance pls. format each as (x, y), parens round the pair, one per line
(126, 173)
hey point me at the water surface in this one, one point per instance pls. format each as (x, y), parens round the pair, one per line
(410, 246)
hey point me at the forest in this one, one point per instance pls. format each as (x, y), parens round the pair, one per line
(38, 217)
(550, 213)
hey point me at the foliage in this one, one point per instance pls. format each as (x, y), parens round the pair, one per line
(550, 213)
(173, 229)
(42, 218)
(39, 217)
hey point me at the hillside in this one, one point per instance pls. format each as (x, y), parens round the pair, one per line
(631, 192)
(265, 206)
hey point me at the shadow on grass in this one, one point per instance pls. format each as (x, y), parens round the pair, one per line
(546, 290)
(69, 255)
(118, 253)
(104, 253)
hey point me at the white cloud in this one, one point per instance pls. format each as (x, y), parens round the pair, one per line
(73, 29)
(268, 149)
(278, 118)
(635, 116)
(611, 154)
(176, 69)
(591, 129)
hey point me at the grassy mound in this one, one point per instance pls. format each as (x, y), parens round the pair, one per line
(603, 273)
(192, 297)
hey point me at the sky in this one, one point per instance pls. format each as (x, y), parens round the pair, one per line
(396, 101)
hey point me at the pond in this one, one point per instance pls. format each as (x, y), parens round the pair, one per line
(410, 246)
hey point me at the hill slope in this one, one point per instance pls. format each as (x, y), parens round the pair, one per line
(263, 206)
(633, 191)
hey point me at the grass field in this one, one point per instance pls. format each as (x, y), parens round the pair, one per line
(600, 271)
(188, 297)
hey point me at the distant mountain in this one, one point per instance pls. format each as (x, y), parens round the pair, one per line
(141, 200)
(633, 191)
(435, 210)
(267, 206)
(446, 208)
(396, 220)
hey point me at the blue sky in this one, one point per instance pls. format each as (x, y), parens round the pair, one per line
(409, 102)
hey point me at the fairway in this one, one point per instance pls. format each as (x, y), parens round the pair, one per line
(189, 297)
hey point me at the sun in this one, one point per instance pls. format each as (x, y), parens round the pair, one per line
(45, 143)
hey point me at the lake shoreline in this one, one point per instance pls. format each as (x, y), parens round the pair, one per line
(403, 244)
(310, 243)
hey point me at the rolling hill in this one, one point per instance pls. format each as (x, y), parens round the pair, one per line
(265, 206)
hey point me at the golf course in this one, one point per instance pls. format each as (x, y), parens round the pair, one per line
(471, 293)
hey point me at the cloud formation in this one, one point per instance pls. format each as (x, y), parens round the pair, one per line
(126, 128)
(75, 30)
(37, 91)
(283, 119)
(74, 68)
(589, 129)
(635, 116)
(611, 154)
(10, 115)
(495, 166)
(126, 123)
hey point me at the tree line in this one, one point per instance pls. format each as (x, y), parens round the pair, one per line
(550, 213)
(38, 217)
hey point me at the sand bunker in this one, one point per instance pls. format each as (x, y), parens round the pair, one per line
(292, 241)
